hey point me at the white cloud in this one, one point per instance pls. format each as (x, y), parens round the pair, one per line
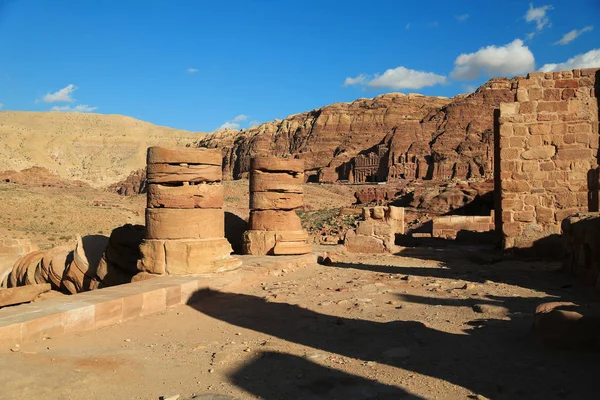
(360, 79)
(462, 17)
(538, 15)
(63, 95)
(1, 106)
(253, 123)
(530, 35)
(511, 59)
(591, 59)
(84, 108)
(192, 70)
(240, 118)
(397, 78)
(235, 122)
(574, 34)
(470, 89)
(407, 27)
(230, 125)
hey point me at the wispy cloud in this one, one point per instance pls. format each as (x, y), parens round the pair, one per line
(462, 17)
(83, 108)
(235, 122)
(530, 35)
(240, 118)
(192, 70)
(61, 96)
(591, 59)
(470, 89)
(572, 35)
(407, 27)
(253, 123)
(434, 24)
(539, 16)
(1, 106)
(511, 59)
(397, 78)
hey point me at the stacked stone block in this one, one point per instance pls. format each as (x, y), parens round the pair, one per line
(377, 232)
(185, 221)
(447, 227)
(548, 147)
(276, 191)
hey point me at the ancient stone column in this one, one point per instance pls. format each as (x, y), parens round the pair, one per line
(275, 192)
(185, 221)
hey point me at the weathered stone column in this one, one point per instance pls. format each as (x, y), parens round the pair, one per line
(275, 192)
(185, 222)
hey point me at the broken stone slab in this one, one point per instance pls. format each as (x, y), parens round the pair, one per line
(275, 201)
(22, 294)
(277, 164)
(197, 223)
(264, 242)
(180, 155)
(168, 173)
(274, 220)
(186, 196)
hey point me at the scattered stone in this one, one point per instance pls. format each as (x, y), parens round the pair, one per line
(469, 286)
(491, 309)
(127, 340)
(170, 397)
(395, 303)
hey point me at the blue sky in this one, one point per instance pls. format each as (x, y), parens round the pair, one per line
(200, 65)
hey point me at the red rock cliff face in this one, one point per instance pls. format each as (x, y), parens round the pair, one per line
(387, 138)
(333, 133)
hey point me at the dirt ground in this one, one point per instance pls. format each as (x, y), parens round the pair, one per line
(422, 324)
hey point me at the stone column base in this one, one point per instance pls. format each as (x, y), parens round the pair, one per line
(186, 256)
(260, 243)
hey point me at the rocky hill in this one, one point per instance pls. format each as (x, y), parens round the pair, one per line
(387, 138)
(334, 132)
(94, 148)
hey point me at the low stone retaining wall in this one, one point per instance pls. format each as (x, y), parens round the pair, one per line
(447, 227)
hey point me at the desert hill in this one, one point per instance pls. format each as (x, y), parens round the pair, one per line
(95, 148)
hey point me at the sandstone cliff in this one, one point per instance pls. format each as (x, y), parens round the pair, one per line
(97, 149)
(334, 132)
(390, 137)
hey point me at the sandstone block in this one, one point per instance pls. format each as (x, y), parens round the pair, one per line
(378, 212)
(197, 223)
(184, 155)
(274, 220)
(277, 164)
(185, 257)
(567, 83)
(551, 94)
(366, 228)
(539, 153)
(363, 244)
(291, 236)
(186, 196)
(261, 181)
(292, 248)
(509, 108)
(275, 201)
(258, 243)
(152, 258)
(169, 173)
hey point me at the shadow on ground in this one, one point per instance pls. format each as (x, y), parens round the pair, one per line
(493, 357)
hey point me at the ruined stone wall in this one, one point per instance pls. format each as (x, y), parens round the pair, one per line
(448, 227)
(548, 145)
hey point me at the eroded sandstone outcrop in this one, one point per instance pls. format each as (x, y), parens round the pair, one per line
(387, 138)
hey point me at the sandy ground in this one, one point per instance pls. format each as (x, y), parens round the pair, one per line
(420, 325)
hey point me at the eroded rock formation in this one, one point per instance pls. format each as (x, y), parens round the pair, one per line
(387, 138)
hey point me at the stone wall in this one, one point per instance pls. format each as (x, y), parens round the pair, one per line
(377, 232)
(548, 145)
(447, 227)
(581, 239)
